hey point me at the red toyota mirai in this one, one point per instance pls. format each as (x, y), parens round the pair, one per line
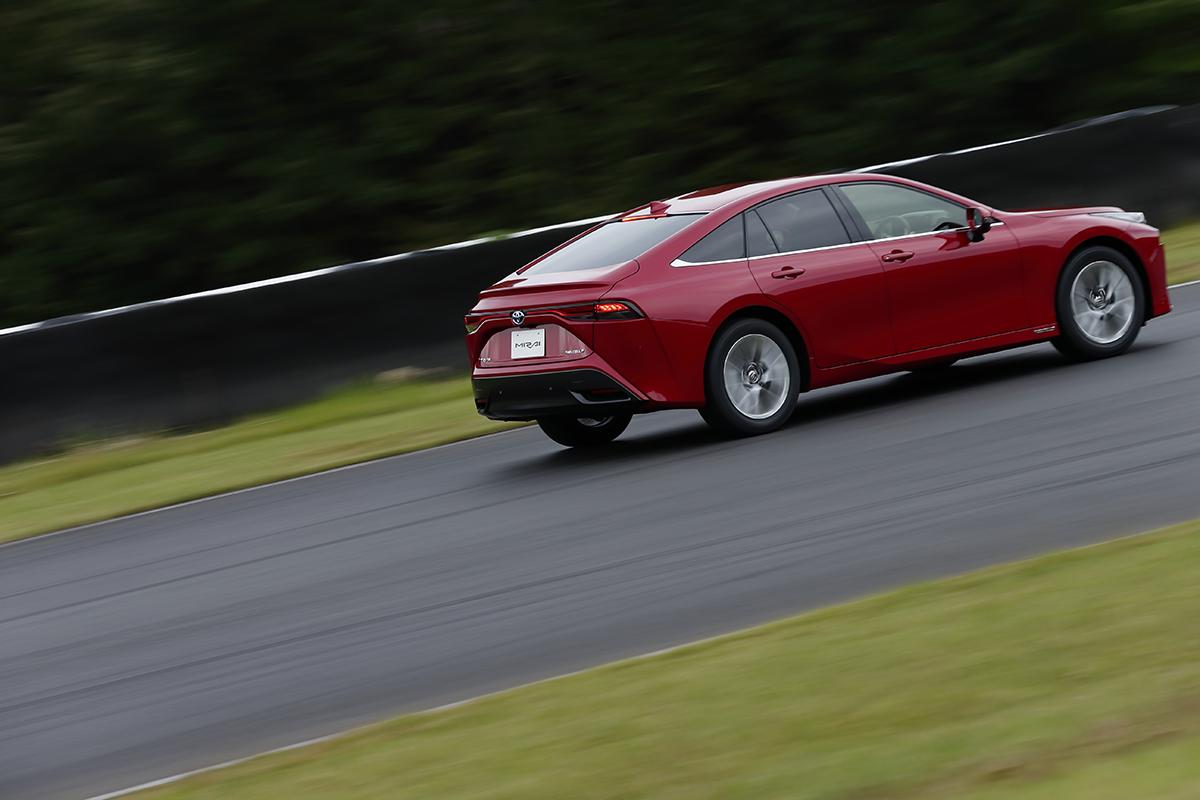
(736, 299)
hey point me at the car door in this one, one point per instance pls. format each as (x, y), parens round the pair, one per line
(943, 288)
(802, 254)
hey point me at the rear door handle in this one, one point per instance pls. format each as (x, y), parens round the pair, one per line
(788, 272)
(897, 255)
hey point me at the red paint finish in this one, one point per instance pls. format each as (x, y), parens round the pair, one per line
(842, 297)
(560, 345)
(859, 309)
(946, 289)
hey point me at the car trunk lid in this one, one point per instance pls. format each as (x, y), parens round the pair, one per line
(547, 300)
(543, 288)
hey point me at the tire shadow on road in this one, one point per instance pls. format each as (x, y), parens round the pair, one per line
(908, 386)
(827, 404)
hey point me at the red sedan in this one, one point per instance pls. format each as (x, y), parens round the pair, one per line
(736, 299)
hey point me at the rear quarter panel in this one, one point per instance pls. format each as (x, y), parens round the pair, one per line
(685, 305)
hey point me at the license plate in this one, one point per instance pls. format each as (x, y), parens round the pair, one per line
(528, 343)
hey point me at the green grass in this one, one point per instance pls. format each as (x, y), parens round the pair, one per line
(1163, 770)
(104, 480)
(1075, 675)
(1183, 252)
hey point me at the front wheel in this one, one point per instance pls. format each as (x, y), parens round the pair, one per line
(1101, 305)
(752, 379)
(584, 431)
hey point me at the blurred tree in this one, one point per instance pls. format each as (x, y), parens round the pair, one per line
(152, 147)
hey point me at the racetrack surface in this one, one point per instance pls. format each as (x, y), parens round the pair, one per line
(164, 642)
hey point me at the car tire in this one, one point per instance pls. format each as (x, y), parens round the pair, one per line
(1101, 305)
(584, 431)
(746, 360)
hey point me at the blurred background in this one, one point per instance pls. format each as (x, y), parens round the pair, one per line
(156, 148)
(150, 148)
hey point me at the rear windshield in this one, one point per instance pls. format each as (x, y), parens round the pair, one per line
(613, 243)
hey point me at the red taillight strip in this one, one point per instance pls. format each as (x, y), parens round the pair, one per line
(576, 312)
(616, 309)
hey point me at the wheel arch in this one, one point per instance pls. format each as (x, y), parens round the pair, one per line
(1122, 247)
(776, 318)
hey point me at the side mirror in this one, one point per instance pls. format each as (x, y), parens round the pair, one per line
(978, 224)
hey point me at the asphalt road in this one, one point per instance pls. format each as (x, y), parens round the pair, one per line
(168, 641)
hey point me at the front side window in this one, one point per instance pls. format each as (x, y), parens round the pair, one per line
(803, 221)
(613, 243)
(891, 210)
(725, 243)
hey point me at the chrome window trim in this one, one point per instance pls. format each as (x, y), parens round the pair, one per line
(679, 262)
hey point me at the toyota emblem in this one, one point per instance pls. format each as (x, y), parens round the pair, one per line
(518, 317)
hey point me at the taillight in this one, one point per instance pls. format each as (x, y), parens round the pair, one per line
(601, 310)
(597, 311)
(615, 309)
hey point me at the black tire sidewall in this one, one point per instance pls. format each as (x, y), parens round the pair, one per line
(719, 410)
(570, 432)
(1072, 341)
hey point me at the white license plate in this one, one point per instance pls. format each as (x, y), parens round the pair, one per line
(528, 344)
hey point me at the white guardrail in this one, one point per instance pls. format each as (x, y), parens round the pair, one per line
(316, 273)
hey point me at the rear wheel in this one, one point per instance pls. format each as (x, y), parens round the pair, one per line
(1101, 305)
(752, 379)
(584, 431)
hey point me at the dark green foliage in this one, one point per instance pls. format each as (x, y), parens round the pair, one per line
(151, 147)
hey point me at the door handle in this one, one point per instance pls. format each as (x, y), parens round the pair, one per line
(897, 255)
(788, 272)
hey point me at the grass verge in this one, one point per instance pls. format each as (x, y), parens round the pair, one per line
(107, 480)
(1183, 252)
(113, 478)
(1072, 675)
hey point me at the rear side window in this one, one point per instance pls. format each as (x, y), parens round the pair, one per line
(613, 243)
(758, 241)
(725, 243)
(803, 221)
(891, 210)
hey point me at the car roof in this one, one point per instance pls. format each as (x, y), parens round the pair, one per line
(704, 201)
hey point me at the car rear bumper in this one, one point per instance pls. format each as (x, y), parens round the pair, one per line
(585, 391)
